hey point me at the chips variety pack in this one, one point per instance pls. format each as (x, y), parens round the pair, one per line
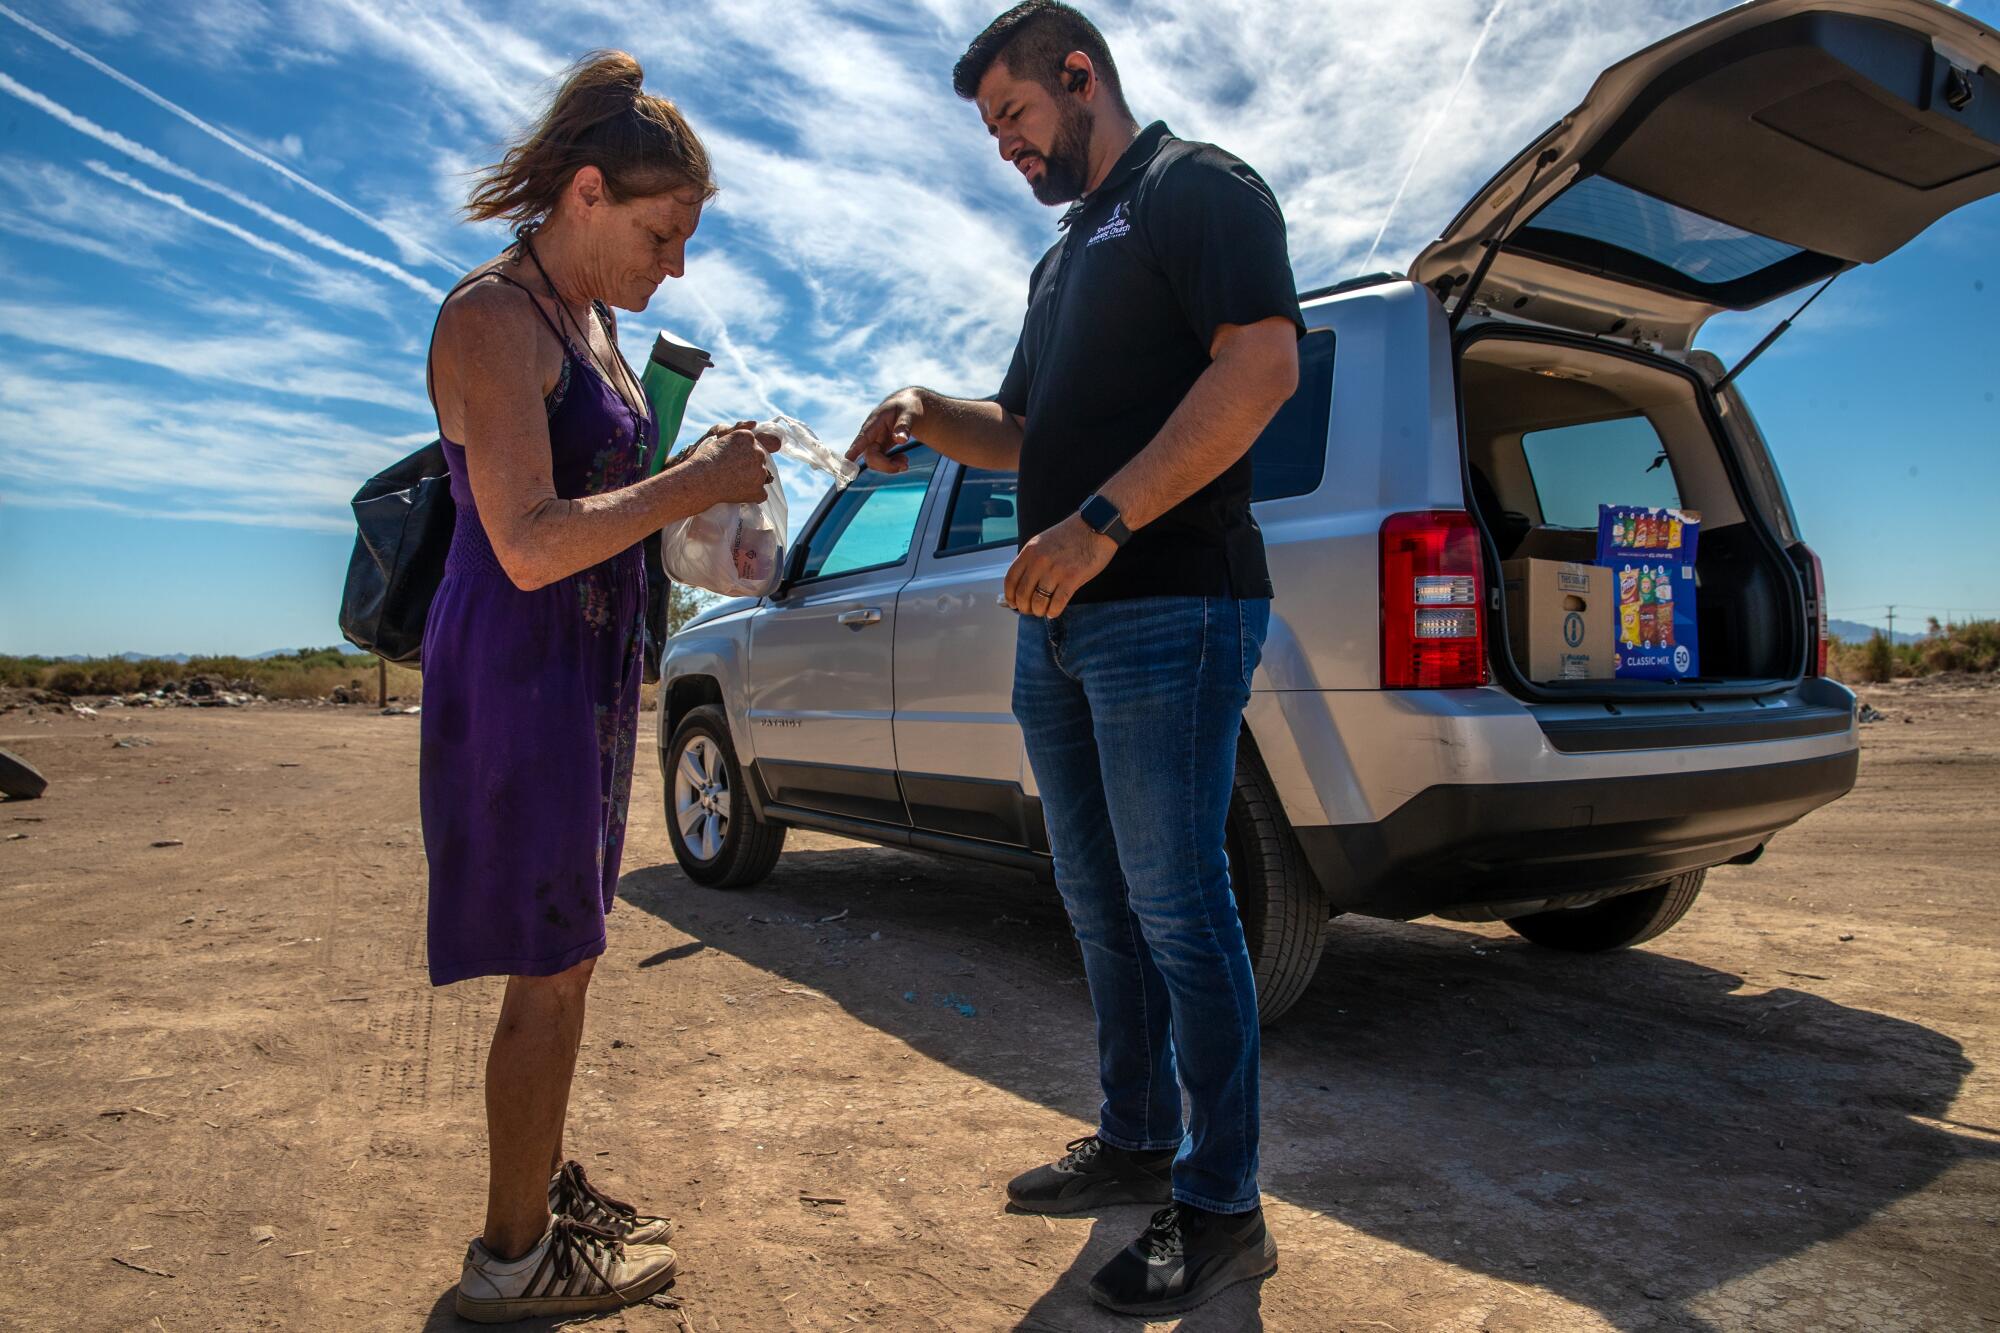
(1650, 552)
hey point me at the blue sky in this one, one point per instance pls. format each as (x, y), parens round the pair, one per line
(224, 227)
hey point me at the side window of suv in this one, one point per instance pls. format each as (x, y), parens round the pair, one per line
(872, 523)
(982, 512)
(1289, 458)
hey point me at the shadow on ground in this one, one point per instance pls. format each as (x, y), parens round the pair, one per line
(1626, 1131)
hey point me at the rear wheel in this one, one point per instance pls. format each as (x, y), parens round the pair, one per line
(1615, 923)
(1281, 903)
(718, 839)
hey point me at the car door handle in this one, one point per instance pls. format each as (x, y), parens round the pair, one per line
(861, 619)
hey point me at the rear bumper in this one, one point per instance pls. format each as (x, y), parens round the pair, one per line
(1464, 844)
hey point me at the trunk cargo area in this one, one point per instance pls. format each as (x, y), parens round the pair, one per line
(1555, 426)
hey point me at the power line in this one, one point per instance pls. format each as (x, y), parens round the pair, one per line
(1911, 606)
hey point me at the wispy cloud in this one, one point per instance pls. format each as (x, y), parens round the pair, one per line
(314, 279)
(467, 57)
(180, 459)
(140, 153)
(181, 205)
(257, 347)
(57, 206)
(290, 142)
(868, 235)
(1437, 119)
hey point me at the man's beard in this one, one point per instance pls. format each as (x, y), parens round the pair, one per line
(1066, 166)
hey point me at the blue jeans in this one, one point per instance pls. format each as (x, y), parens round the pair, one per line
(1131, 712)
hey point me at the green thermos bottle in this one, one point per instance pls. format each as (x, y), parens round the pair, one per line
(670, 375)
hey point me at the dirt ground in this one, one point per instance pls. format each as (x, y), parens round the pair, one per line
(231, 1100)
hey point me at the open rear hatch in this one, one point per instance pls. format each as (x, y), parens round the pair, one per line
(1749, 156)
(1745, 158)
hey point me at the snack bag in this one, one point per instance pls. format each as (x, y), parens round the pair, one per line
(1652, 554)
(738, 550)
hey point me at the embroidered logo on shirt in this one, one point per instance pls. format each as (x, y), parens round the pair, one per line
(1115, 226)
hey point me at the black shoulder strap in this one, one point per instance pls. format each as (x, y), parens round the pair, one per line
(465, 282)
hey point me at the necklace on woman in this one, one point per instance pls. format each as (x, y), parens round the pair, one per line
(626, 377)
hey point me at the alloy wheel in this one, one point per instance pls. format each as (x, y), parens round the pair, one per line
(701, 797)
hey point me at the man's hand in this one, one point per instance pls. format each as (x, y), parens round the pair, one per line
(889, 425)
(1054, 565)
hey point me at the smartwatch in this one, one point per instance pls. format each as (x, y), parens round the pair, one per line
(1103, 518)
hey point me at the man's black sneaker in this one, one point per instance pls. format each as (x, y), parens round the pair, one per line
(1185, 1256)
(1093, 1174)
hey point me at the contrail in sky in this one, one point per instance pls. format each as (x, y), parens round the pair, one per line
(250, 238)
(233, 142)
(727, 343)
(139, 152)
(1478, 44)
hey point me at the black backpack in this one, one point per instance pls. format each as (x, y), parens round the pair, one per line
(405, 515)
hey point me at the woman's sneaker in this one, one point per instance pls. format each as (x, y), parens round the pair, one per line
(1092, 1174)
(572, 1195)
(575, 1269)
(1185, 1256)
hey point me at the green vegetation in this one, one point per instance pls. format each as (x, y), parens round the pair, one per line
(685, 603)
(310, 673)
(1971, 647)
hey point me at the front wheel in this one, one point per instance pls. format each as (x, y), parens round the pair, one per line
(1615, 923)
(718, 839)
(1279, 899)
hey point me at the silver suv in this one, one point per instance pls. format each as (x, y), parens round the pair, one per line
(1396, 759)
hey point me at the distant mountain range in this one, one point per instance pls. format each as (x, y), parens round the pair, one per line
(1853, 631)
(181, 659)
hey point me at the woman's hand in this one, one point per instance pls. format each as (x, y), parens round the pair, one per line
(729, 464)
(719, 428)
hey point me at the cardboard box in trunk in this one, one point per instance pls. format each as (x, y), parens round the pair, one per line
(1561, 619)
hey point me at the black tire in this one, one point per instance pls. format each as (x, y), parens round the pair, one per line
(18, 779)
(747, 847)
(1615, 923)
(1280, 901)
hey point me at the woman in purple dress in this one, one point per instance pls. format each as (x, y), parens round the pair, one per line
(532, 651)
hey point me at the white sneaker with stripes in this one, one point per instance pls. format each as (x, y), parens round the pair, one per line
(575, 1269)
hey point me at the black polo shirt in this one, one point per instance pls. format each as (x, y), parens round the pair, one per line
(1179, 239)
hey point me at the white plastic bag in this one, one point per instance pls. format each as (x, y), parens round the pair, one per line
(738, 550)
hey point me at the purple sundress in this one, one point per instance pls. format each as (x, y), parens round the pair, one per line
(531, 713)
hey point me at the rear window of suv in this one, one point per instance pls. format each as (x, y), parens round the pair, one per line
(1576, 468)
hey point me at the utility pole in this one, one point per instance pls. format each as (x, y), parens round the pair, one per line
(1892, 626)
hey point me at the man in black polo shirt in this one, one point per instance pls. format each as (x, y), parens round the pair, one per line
(1161, 337)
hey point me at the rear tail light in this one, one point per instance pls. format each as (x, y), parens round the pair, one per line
(1816, 634)
(1433, 602)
